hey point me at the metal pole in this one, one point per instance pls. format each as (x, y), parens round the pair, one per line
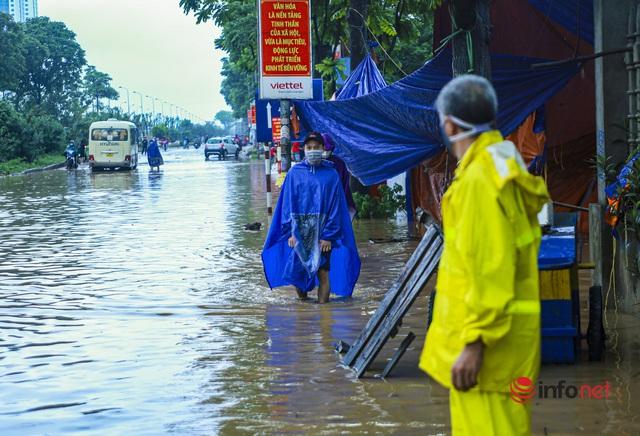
(153, 105)
(267, 171)
(630, 59)
(128, 100)
(141, 101)
(595, 242)
(285, 134)
(153, 111)
(634, 111)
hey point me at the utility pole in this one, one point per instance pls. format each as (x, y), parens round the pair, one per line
(285, 134)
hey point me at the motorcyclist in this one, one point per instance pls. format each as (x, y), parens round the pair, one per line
(71, 154)
(83, 149)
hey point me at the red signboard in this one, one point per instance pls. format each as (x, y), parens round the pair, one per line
(251, 114)
(285, 49)
(275, 129)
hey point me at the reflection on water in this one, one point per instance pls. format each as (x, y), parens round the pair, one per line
(134, 302)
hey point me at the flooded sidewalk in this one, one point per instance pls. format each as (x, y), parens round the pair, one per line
(134, 303)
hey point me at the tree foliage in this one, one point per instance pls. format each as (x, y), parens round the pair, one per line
(97, 86)
(54, 63)
(225, 118)
(12, 48)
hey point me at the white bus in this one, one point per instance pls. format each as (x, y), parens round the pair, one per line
(113, 144)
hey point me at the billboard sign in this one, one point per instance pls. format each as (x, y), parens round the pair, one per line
(266, 110)
(284, 33)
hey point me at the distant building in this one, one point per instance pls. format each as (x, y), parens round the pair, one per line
(20, 10)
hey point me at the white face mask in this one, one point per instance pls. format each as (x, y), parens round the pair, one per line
(471, 129)
(314, 157)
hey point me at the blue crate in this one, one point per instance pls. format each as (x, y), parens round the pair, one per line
(556, 313)
(558, 344)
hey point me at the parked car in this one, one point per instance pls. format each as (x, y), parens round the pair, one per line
(221, 147)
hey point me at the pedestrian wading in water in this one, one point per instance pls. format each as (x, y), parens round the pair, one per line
(310, 242)
(154, 156)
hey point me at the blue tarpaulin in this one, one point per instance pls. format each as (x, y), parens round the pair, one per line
(574, 15)
(385, 133)
(364, 80)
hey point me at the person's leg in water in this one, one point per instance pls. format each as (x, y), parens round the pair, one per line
(323, 289)
(323, 277)
(301, 294)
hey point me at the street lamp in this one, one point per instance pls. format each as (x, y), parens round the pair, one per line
(141, 101)
(153, 105)
(128, 102)
(153, 110)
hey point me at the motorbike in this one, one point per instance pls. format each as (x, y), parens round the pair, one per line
(71, 159)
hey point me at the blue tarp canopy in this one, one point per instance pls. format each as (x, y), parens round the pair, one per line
(385, 133)
(576, 15)
(363, 80)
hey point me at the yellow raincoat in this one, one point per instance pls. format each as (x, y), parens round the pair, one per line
(487, 285)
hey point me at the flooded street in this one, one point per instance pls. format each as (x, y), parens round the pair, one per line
(134, 303)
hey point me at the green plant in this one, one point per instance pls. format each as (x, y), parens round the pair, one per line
(626, 202)
(331, 70)
(386, 206)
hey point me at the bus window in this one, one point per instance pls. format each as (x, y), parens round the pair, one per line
(109, 135)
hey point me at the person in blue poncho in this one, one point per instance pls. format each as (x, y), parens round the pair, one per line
(154, 156)
(311, 241)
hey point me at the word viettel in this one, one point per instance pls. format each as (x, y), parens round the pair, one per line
(288, 85)
(523, 389)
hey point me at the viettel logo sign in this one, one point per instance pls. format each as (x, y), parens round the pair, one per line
(522, 390)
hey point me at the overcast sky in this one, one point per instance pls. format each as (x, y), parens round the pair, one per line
(149, 46)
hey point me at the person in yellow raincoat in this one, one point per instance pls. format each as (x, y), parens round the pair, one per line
(486, 320)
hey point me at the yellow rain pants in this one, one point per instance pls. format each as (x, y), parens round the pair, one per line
(487, 286)
(488, 413)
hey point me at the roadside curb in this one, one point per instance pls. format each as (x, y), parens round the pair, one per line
(39, 170)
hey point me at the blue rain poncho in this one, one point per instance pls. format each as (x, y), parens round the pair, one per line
(153, 154)
(312, 207)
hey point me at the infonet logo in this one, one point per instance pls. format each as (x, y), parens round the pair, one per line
(523, 389)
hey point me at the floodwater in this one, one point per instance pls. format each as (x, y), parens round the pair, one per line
(134, 303)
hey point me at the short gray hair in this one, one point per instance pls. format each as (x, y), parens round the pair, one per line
(470, 98)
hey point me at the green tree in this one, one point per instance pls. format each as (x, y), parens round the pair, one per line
(97, 85)
(12, 131)
(12, 66)
(225, 118)
(54, 63)
(160, 131)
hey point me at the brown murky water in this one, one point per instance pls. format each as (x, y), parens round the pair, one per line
(134, 303)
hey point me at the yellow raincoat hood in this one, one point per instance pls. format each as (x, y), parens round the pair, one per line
(487, 285)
